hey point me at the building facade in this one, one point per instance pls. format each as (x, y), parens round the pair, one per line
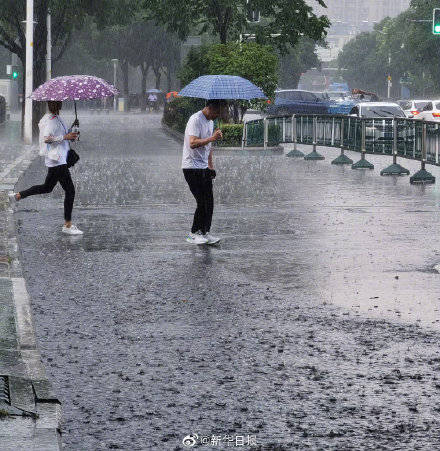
(351, 17)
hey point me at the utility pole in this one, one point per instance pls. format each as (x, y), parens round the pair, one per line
(29, 71)
(49, 47)
(389, 82)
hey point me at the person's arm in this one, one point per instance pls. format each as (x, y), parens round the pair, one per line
(50, 137)
(195, 142)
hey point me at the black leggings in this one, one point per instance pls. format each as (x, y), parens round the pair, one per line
(200, 184)
(54, 175)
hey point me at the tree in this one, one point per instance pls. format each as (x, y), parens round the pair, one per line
(298, 60)
(288, 19)
(403, 47)
(139, 44)
(67, 16)
(113, 42)
(422, 46)
(364, 67)
(255, 62)
(141, 36)
(152, 47)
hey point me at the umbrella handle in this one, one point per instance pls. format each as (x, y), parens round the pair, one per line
(76, 115)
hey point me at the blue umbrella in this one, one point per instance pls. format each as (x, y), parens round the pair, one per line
(154, 91)
(222, 87)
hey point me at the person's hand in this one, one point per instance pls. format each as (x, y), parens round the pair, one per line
(71, 136)
(217, 135)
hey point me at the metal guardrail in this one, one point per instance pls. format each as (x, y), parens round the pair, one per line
(397, 137)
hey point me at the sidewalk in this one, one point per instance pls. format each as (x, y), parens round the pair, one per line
(30, 412)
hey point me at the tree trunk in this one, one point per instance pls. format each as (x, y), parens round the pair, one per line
(158, 75)
(143, 99)
(169, 80)
(223, 33)
(124, 68)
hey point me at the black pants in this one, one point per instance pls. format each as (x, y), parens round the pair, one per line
(200, 184)
(54, 175)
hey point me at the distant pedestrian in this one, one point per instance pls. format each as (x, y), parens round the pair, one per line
(152, 101)
(198, 168)
(54, 145)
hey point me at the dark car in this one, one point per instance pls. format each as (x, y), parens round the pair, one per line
(296, 101)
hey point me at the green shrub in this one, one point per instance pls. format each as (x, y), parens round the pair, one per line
(232, 135)
(177, 112)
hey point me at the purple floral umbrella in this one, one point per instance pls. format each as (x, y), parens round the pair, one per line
(74, 87)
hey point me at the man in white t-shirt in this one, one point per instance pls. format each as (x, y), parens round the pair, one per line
(198, 168)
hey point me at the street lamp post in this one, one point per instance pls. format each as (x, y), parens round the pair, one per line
(49, 47)
(389, 82)
(115, 67)
(29, 71)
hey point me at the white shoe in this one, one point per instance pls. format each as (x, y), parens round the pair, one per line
(72, 230)
(13, 197)
(211, 239)
(196, 238)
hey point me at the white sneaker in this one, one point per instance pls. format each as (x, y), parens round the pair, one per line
(196, 238)
(211, 239)
(12, 196)
(72, 230)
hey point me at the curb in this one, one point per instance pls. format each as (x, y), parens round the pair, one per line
(31, 411)
(172, 133)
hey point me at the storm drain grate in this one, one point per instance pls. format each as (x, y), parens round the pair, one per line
(4, 390)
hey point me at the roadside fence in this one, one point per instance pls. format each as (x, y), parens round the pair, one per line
(397, 137)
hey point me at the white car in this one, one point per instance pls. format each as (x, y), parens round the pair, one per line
(377, 110)
(413, 108)
(430, 112)
(379, 129)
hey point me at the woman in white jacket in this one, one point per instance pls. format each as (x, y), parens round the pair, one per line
(54, 145)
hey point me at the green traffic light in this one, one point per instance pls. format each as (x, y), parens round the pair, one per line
(437, 28)
(14, 75)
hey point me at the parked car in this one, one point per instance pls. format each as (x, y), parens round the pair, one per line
(340, 102)
(430, 112)
(296, 101)
(413, 107)
(379, 129)
(338, 96)
(377, 110)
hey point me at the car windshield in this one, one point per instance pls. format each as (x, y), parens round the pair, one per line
(420, 105)
(289, 95)
(382, 111)
(405, 104)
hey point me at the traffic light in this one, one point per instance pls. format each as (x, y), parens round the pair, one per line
(436, 21)
(12, 71)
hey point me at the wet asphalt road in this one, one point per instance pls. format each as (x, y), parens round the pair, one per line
(314, 325)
